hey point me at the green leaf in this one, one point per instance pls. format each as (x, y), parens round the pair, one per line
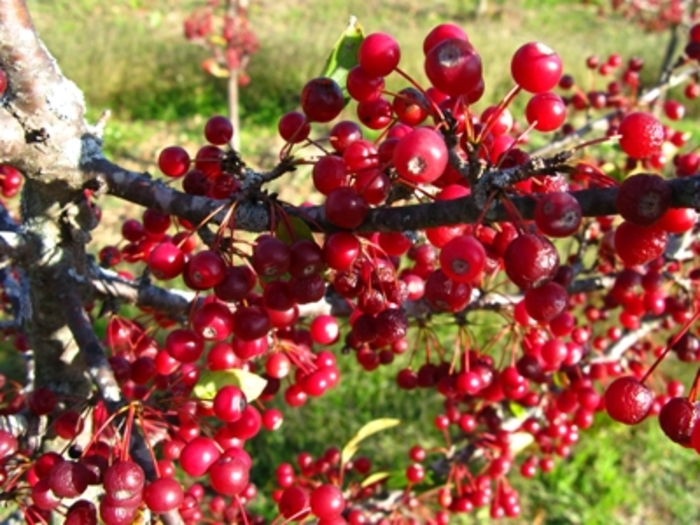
(343, 56)
(293, 229)
(396, 480)
(210, 382)
(370, 428)
(517, 410)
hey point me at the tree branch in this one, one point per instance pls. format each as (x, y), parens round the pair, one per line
(109, 284)
(255, 217)
(601, 123)
(98, 367)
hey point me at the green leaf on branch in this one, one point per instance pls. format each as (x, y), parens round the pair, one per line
(370, 428)
(210, 383)
(343, 56)
(293, 229)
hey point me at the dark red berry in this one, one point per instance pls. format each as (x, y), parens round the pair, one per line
(322, 99)
(627, 400)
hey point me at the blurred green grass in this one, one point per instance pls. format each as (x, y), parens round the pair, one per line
(131, 57)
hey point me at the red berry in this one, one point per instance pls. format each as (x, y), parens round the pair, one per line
(364, 87)
(454, 67)
(251, 323)
(163, 495)
(327, 502)
(293, 503)
(166, 261)
(340, 250)
(345, 208)
(546, 111)
(530, 260)
(174, 161)
(237, 283)
(678, 220)
(643, 198)
(186, 346)
(442, 32)
(329, 173)
(324, 329)
(229, 403)
(411, 107)
(205, 270)
(636, 244)
(446, 295)
(218, 130)
(3, 82)
(41, 402)
(463, 259)
(627, 400)
(545, 302)
(420, 156)
(379, 54)
(228, 476)
(123, 483)
(558, 214)
(343, 134)
(536, 67)
(271, 257)
(293, 127)
(322, 99)
(68, 479)
(198, 455)
(677, 419)
(641, 135)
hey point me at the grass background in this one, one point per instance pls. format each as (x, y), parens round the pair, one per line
(131, 57)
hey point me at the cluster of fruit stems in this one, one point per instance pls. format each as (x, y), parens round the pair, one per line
(153, 194)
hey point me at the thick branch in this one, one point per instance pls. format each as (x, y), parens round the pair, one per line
(23, 57)
(93, 354)
(109, 284)
(255, 217)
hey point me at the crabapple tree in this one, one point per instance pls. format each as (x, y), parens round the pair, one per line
(223, 29)
(437, 209)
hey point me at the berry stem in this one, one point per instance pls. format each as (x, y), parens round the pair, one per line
(671, 344)
(502, 105)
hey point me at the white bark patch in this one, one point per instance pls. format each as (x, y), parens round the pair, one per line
(63, 99)
(72, 150)
(164, 198)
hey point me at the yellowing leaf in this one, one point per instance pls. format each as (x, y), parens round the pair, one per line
(210, 382)
(218, 40)
(374, 478)
(211, 66)
(370, 428)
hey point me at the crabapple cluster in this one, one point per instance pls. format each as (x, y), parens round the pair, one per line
(207, 27)
(653, 16)
(565, 290)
